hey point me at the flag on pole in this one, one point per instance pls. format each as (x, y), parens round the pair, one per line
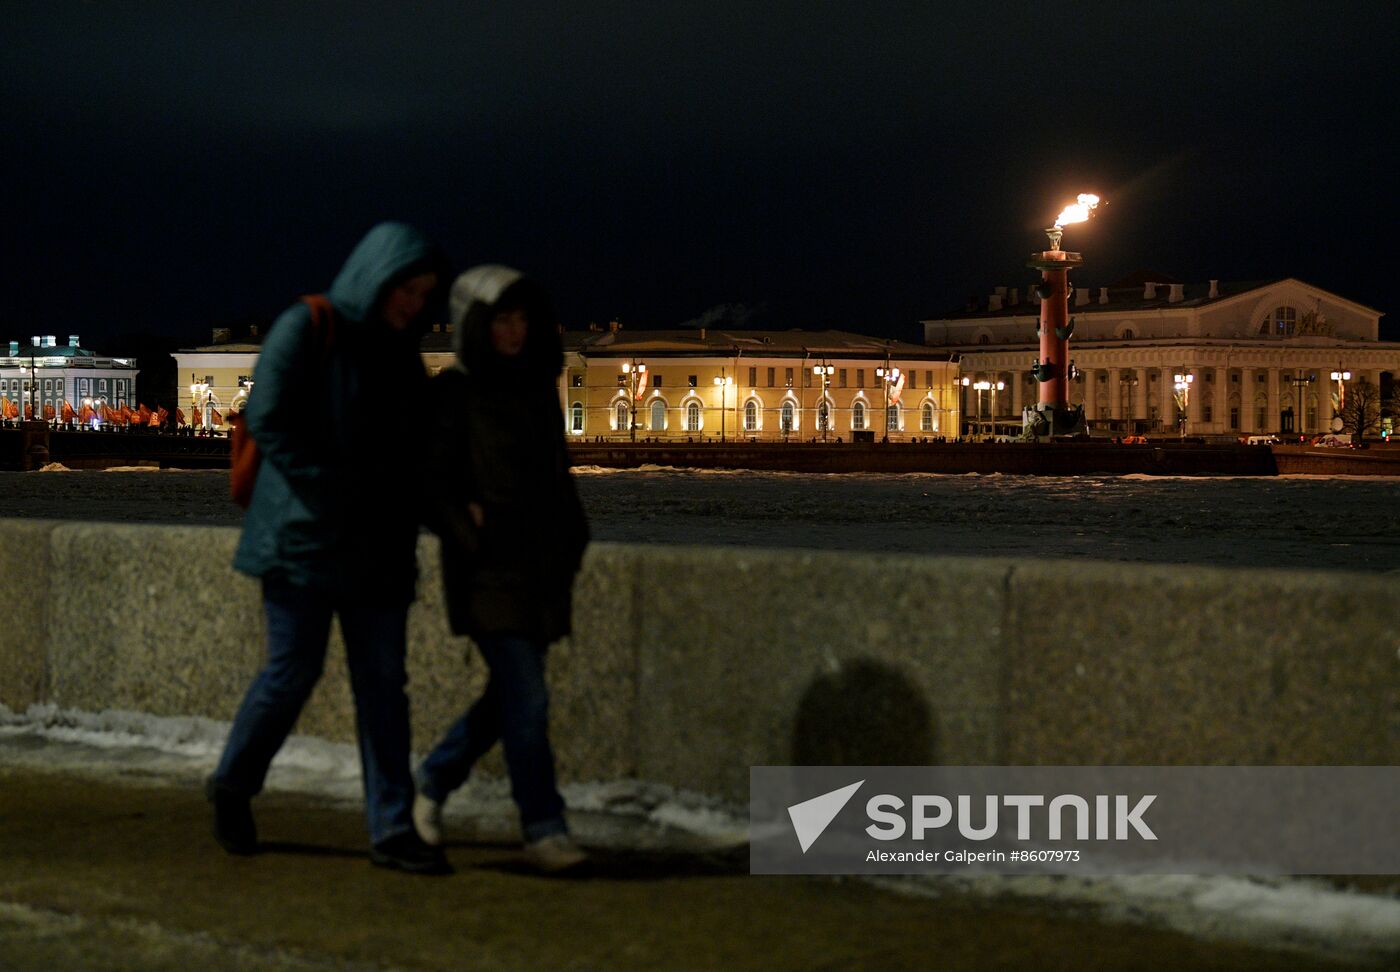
(180, 416)
(68, 413)
(86, 416)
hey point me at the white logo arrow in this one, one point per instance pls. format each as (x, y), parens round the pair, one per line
(811, 817)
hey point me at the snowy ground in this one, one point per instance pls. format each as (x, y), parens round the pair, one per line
(1306, 915)
(1309, 523)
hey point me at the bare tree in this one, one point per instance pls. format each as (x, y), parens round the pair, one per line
(1362, 412)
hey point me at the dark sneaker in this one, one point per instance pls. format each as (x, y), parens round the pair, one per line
(233, 820)
(407, 852)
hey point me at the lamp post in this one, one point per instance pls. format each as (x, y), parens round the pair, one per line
(996, 387)
(1129, 382)
(201, 401)
(966, 382)
(1182, 383)
(636, 372)
(1339, 377)
(889, 376)
(723, 382)
(824, 371)
(1301, 382)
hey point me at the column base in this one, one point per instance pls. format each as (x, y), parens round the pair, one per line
(1041, 423)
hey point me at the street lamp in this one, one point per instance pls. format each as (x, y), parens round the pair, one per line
(1182, 384)
(1129, 382)
(202, 401)
(892, 380)
(824, 372)
(993, 387)
(723, 382)
(1300, 382)
(636, 372)
(1339, 377)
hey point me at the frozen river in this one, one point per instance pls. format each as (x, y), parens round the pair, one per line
(1287, 522)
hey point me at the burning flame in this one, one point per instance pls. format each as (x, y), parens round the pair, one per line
(1077, 212)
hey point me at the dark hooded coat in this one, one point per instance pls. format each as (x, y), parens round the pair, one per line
(336, 503)
(499, 442)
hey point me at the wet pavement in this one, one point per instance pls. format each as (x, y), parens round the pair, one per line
(104, 872)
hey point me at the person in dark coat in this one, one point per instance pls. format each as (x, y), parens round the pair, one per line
(513, 535)
(332, 528)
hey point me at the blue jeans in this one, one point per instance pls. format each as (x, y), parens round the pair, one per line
(514, 709)
(298, 626)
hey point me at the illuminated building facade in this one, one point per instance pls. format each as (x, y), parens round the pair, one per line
(1253, 358)
(37, 378)
(695, 384)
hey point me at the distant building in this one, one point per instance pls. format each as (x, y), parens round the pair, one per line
(755, 385)
(39, 377)
(693, 384)
(1260, 355)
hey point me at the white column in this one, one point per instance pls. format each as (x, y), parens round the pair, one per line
(1115, 393)
(1091, 394)
(1140, 394)
(1018, 380)
(1272, 421)
(1222, 399)
(1169, 419)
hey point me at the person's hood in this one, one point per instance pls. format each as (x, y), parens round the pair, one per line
(389, 254)
(475, 297)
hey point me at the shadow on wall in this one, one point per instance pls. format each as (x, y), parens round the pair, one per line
(865, 714)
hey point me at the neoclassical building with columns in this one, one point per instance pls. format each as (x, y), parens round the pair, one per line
(1257, 357)
(679, 385)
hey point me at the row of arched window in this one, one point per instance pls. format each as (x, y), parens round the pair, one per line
(653, 417)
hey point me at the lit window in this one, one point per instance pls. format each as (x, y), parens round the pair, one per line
(658, 415)
(692, 417)
(892, 418)
(576, 418)
(1281, 323)
(789, 417)
(622, 413)
(926, 418)
(858, 416)
(751, 415)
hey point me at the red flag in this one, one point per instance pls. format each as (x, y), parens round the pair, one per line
(124, 413)
(143, 415)
(87, 414)
(215, 418)
(49, 413)
(198, 418)
(68, 413)
(162, 414)
(180, 416)
(4, 407)
(29, 411)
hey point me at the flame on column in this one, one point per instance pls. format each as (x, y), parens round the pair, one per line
(1079, 211)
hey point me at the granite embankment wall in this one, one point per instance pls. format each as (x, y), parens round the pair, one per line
(689, 665)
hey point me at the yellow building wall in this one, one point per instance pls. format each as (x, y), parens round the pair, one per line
(599, 389)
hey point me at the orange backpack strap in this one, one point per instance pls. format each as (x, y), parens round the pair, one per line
(322, 320)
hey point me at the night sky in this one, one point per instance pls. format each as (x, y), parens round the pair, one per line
(168, 167)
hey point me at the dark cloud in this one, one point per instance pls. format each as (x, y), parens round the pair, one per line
(840, 164)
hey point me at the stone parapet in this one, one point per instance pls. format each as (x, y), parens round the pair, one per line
(690, 664)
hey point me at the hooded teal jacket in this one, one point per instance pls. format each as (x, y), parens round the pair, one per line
(336, 502)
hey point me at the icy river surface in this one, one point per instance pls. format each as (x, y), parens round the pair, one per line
(1333, 523)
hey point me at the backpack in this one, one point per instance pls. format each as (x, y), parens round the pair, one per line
(244, 457)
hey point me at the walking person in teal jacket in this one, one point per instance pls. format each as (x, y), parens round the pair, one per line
(332, 529)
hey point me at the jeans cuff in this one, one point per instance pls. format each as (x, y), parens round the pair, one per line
(425, 786)
(541, 829)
